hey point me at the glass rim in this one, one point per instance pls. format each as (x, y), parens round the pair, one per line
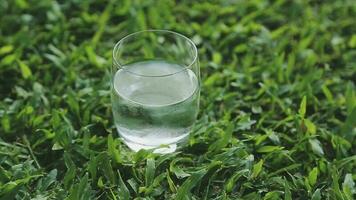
(117, 46)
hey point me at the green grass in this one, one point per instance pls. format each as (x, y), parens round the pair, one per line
(278, 102)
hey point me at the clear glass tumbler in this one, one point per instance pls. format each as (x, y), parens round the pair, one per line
(155, 88)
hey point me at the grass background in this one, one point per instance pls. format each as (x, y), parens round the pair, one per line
(277, 118)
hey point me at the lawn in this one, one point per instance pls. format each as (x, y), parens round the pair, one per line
(277, 111)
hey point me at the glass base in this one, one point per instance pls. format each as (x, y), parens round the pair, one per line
(164, 149)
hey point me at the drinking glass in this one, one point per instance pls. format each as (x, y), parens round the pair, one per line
(155, 86)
